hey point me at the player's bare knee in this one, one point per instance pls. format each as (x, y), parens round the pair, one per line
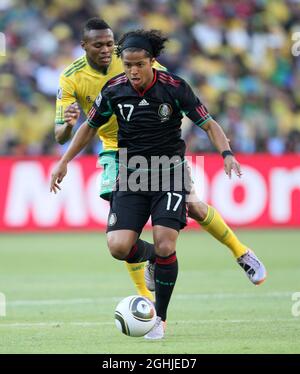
(165, 247)
(118, 249)
(197, 210)
(118, 253)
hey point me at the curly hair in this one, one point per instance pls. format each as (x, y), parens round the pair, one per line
(154, 37)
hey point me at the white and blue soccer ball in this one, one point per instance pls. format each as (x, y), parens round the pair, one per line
(135, 316)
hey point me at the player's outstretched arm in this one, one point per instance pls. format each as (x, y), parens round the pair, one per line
(220, 141)
(64, 132)
(82, 137)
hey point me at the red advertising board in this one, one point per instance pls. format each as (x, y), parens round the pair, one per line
(267, 195)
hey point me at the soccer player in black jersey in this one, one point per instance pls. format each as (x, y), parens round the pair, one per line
(79, 83)
(149, 106)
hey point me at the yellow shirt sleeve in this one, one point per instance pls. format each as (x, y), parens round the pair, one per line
(65, 96)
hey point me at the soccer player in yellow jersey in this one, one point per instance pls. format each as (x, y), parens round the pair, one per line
(81, 83)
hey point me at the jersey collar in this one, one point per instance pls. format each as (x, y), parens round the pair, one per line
(149, 86)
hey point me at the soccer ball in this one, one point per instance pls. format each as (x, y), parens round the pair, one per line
(135, 316)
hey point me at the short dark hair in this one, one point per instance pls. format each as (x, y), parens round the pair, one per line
(154, 37)
(94, 23)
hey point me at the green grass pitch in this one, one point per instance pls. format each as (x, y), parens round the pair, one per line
(61, 291)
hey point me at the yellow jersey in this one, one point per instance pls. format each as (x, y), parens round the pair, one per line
(81, 83)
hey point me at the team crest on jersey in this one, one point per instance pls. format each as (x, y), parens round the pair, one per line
(164, 111)
(99, 99)
(89, 100)
(59, 93)
(112, 220)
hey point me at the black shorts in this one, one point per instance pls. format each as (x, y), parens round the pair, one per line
(131, 210)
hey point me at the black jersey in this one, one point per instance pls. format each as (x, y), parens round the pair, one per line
(149, 121)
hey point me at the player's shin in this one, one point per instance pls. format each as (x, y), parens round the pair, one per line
(137, 274)
(135, 264)
(215, 225)
(165, 275)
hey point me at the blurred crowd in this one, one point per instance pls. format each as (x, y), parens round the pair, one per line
(238, 56)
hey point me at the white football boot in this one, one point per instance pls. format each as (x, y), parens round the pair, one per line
(149, 276)
(158, 330)
(253, 267)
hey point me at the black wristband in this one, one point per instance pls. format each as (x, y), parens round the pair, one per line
(227, 153)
